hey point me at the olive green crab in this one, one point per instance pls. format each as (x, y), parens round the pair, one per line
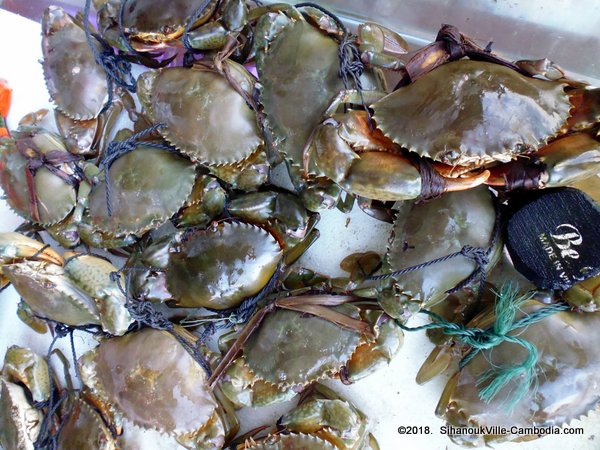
(301, 339)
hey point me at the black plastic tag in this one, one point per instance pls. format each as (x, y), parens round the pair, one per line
(554, 239)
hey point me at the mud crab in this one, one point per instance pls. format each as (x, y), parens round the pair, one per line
(298, 66)
(321, 420)
(76, 291)
(157, 392)
(285, 349)
(566, 390)
(220, 266)
(81, 91)
(191, 104)
(27, 375)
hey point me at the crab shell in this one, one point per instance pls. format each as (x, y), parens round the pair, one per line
(147, 187)
(219, 267)
(291, 335)
(471, 112)
(84, 429)
(51, 294)
(152, 21)
(23, 366)
(290, 349)
(76, 83)
(292, 441)
(435, 229)
(298, 67)
(148, 378)
(568, 371)
(19, 421)
(203, 115)
(55, 198)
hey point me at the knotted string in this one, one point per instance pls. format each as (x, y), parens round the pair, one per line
(116, 68)
(49, 160)
(144, 313)
(507, 304)
(188, 58)
(479, 255)
(351, 65)
(116, 149)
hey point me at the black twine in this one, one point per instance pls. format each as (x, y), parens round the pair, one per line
(479, 255)
(351, 65)
(116, 68)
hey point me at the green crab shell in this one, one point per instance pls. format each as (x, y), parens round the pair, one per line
(76, 83)
(218, 268)
(568, 375)
(290, 349)
(148, 378)
(151, 20)
(19, 421)
(435, 229)
(147, 187)
(298, 70)
(55, 198)
(50, 293)
(84, 429)
(470, 112)
(204, 116)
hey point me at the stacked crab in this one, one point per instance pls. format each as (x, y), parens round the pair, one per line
(173, 176)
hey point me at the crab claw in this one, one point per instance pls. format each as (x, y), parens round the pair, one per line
(15, 247)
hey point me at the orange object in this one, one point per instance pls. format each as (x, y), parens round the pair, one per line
(5, 97)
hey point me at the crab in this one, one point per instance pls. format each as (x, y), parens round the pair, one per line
(322, 420)
(302, 339)
(78, 291)
(148, 31)
(37, 174)
(76, 83)
(27, 375)
(149, 379)
(359, 158)
(191, 104)
(567, 386)
(298, 66)
(220, 266)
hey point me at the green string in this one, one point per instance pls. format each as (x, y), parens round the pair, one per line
(508, 303)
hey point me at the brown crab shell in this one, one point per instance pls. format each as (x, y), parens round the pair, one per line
(76, 83)
(203, 115)
(568, 370)
(468, 112)
(291, 349)
(148, 378)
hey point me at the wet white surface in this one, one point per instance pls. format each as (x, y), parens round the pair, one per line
(391, 398)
